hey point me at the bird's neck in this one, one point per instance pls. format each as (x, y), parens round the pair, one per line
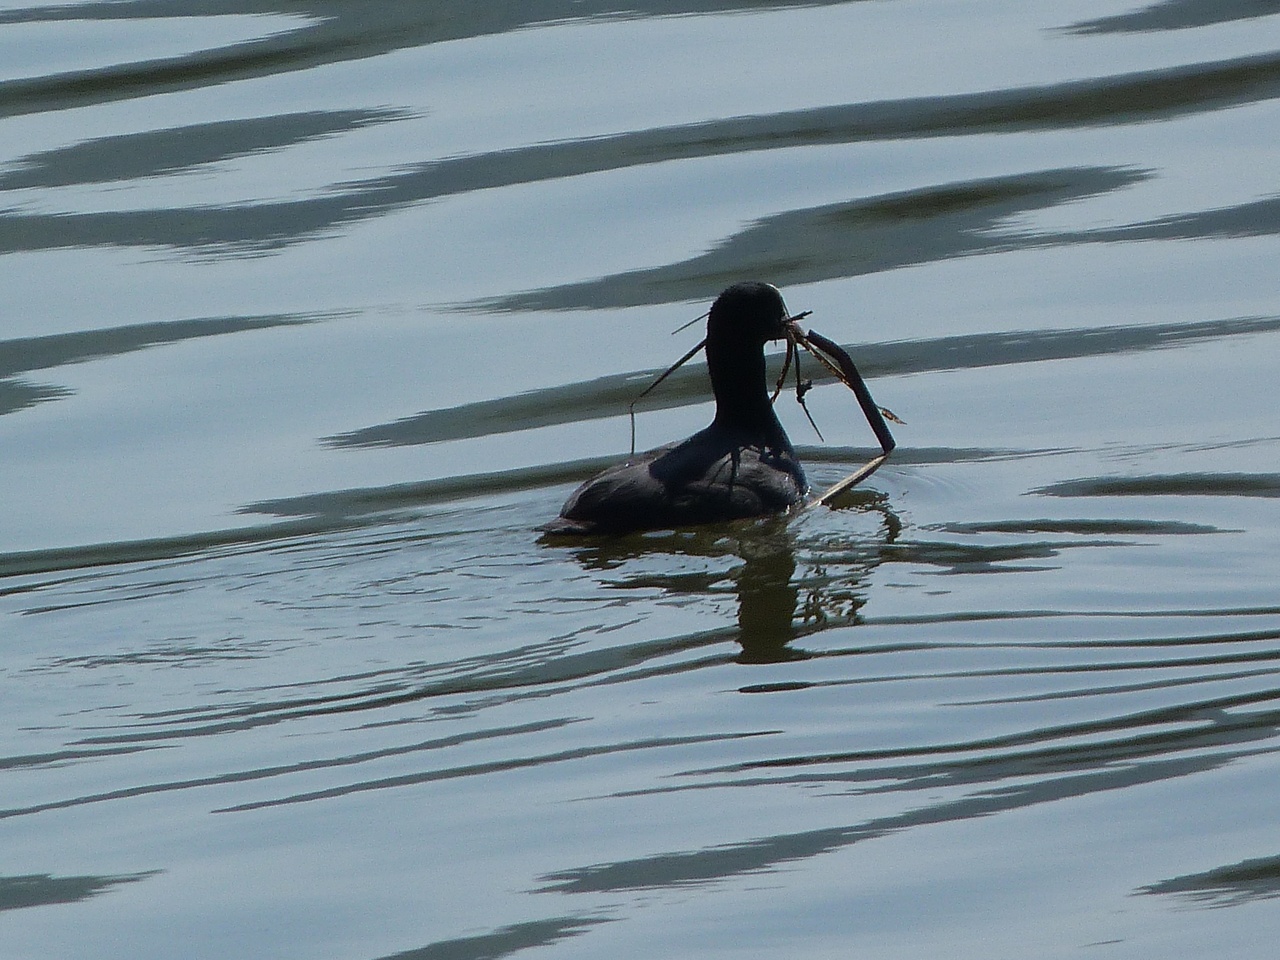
(742, 395)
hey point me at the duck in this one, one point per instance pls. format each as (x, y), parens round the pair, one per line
(740, 466)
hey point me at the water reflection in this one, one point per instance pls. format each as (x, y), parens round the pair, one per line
(25, 354)
(608, 396)
(18, 395)
(767, 596)
(1006, 790)
(262, 226)
(1179, 15)
(325, 33)
(259, 714)
(1033, 768)
(1168, 485)
(153, 153)
(38, 890)
(504, 941)
(774, 606)
(1243, 882)
(848, 239)
(763, 584)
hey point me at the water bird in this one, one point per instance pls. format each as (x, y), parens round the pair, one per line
(742, 465)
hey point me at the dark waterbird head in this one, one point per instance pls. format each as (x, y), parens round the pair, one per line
(748, 312)
(743, 319)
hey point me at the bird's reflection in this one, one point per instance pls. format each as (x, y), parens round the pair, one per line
(775, 607)
(767, 595)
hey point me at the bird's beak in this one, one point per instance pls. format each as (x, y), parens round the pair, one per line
(791, 327)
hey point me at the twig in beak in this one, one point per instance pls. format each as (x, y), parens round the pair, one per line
(847, 373)
(803, 387)
(786, 365)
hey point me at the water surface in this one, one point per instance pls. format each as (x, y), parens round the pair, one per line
(315, 311)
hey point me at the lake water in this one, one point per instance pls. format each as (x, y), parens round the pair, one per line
(314, 311)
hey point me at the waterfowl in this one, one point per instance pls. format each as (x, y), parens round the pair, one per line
(742, 465)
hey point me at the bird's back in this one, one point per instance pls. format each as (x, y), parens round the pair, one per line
(715, 475)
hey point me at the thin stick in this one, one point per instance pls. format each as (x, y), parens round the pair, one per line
(686, 326)
(631, 409)
(786, 365)
(852, 480)
(847, 373)
(803, 387)
(850, 375)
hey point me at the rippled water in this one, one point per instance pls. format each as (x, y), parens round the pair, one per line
(313, 312)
